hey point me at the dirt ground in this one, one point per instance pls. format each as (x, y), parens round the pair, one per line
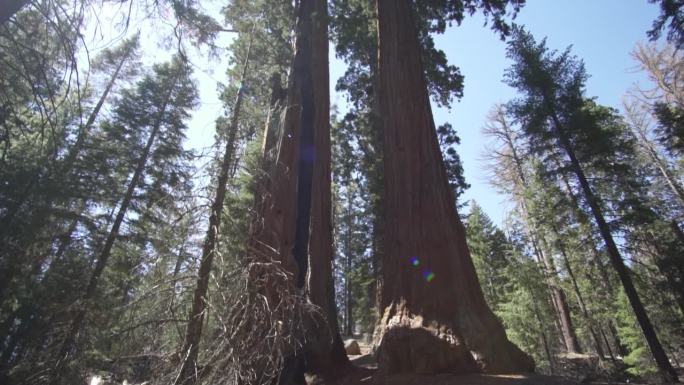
(363, 376)
(365, 373)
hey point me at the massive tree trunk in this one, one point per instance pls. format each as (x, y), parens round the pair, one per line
(435, 318)
(295, 223)
(325, 351)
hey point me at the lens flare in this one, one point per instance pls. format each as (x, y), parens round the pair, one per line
(428, 275)
(415, 261)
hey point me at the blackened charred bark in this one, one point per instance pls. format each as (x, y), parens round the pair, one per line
(294, 226)
(303, 71)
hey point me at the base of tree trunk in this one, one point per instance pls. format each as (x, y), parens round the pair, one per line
(411, 344)
(329, 363)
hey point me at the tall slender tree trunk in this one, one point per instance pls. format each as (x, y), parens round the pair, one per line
(542, 334)
(189, 373)
(660, 164)
(578, 294)
(348, 301)
(561, 304)
(101, 262)
(549, 291)
(558, 297)
(77, 147)
(666, 369)
(604, 282)
(66, 165)
(435, 318)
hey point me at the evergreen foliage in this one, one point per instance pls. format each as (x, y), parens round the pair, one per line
(104, 210)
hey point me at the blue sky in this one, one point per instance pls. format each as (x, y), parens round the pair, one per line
(601, 32)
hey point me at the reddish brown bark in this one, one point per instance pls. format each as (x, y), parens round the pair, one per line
(430, 323)
(326, 354)
(295, 223)
(560, 303)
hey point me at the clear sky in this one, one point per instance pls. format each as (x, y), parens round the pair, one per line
(602, 33)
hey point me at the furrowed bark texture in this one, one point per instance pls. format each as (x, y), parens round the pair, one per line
(435, 318)
(326, 350)
(295, 226)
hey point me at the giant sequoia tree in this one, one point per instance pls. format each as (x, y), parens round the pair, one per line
(294, 225)
(435, 318)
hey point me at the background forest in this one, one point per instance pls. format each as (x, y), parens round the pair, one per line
(126, 247)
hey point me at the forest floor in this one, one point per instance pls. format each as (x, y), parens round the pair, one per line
(365, 373)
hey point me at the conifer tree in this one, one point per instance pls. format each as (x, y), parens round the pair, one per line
(157, 107)
(554, 114)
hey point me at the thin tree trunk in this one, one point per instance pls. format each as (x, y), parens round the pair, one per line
(376, 189)
(435, 318)
(604, 281)
(179, 261)
(545, 341)
(561, 303)
(551, 299)
(607, 343)
(578, 294)
(65, 167)
(103, 257)
(558, 297)
(348, 321)
(666, 369)
(188, 374)
(670, 180)
(76, 148)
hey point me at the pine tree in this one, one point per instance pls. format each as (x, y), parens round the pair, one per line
(512, 161)
(488, 248)
(157, 107)
(553, 112)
